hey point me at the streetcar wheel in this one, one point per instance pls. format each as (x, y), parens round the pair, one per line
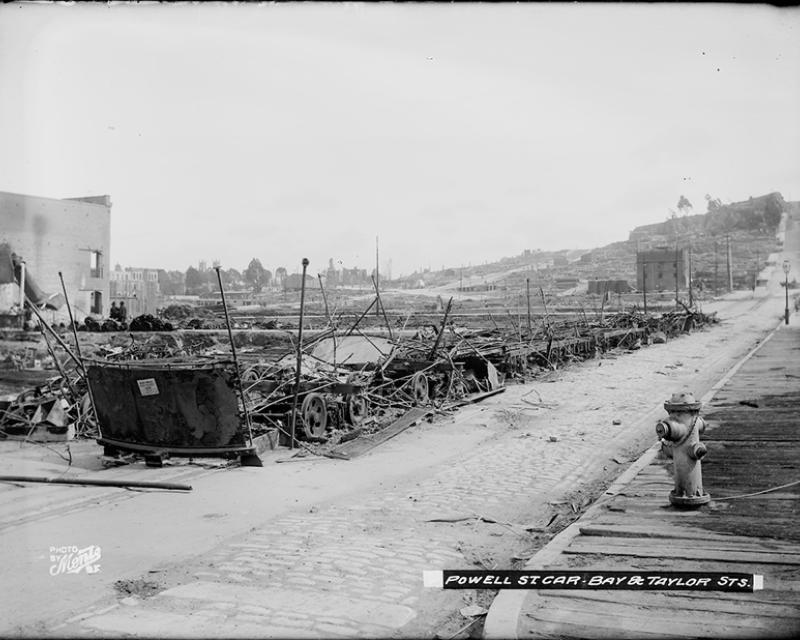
(419, 388)
(356, 409)
(315, 415)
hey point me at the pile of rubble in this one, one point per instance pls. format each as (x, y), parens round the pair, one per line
(58, 410)
(348, 383)
(144, 322)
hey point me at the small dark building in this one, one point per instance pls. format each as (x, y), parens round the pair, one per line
(601, 287)
(658, 269)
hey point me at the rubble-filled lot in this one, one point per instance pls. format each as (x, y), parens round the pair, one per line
(350, 383)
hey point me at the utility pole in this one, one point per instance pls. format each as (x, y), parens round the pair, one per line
(299, 364)
(716, 268)
(677, 299)
(528, 287)
(22, 274)
(644, 285)
(691, 301)
(755, 275)
(377, 275)
(730, 273)
(786, 268)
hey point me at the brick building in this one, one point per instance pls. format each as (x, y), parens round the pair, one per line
(137, 288)
(658, 269)
(71, 235)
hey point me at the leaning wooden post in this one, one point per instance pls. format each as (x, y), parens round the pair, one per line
(324, 299)
(57, 362)
(299, 354)
(528, 291)
(330, 320)
(72, 323)
(78, 350)
(383, 309)
(441, 330)
(235, 359)
(57, 338)
(546, 315)
(361, 317)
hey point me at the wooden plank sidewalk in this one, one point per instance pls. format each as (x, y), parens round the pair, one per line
(753, 446)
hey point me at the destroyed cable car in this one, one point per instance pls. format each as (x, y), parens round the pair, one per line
(168, 406)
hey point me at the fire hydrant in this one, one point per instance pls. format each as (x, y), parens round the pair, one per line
(682, 431)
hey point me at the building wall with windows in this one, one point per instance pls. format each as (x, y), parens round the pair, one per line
(657, 270)
(137, 288)
(71, 235)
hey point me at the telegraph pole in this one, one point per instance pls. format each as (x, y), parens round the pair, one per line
(691, 302)
(528, 288)
(716, 268)
(730, 273)
(677, 298)
(644, 285)
(377, 275)
(755, 275)
(299, 356)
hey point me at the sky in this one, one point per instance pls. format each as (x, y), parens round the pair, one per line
(454, 133)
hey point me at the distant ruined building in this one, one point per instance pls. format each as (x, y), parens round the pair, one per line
(345, 277)
(137, 288)
(67, 236)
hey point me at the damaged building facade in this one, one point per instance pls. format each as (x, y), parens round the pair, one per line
(137, 288)
(662, 269)
(71, 236)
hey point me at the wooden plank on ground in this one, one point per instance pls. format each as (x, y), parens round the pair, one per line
(628, 620)
(478, 397)
(361, 445)
(623, 535)
(658, 530)
(537, 628)
(593, 545)
(669, 612)
(719, 602)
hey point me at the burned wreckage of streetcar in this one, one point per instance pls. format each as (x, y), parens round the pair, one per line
(346, 380)
(190, 406)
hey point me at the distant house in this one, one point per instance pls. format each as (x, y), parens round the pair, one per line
(566, 283)
(601, 287)
(659, 269)
(137, 288)
(294, 282)
(232, 298)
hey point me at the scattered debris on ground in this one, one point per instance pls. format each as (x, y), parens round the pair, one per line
(350, 385)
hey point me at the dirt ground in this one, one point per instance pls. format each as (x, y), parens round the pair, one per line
(484, 488)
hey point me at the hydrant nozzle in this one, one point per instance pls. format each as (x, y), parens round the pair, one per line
(682, 431)
(698, 451)
(671, 430)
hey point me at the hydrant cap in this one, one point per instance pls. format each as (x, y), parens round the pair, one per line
(682, 401)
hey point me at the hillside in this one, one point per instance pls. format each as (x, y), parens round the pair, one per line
(749, 226)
